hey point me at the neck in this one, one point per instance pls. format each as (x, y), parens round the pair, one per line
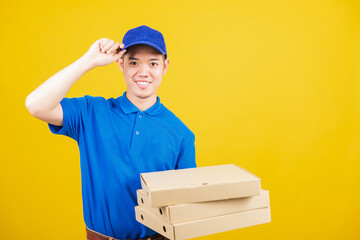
(141, 103)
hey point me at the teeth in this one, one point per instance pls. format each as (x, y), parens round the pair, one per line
(143, 83)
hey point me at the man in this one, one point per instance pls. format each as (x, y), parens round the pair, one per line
(118, 138)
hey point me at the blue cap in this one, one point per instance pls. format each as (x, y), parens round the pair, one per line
(145, 35)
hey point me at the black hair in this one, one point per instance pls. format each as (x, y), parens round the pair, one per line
(134, 46)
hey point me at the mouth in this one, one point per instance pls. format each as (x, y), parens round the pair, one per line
(142, 84)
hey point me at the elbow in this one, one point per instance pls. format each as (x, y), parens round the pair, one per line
(30, 106)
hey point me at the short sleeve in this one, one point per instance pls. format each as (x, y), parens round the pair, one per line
(75, 115)
(186, 158)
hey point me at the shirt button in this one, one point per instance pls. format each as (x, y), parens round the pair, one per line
(140, 116)
(137, 132)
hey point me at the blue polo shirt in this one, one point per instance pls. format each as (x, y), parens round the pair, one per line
(117, 142)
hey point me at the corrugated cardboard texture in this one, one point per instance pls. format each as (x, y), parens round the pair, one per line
(202, 227)
(199, 184)
(153, 222)
(193, 211)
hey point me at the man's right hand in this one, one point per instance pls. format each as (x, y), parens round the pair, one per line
(44, 101)
(103, 52)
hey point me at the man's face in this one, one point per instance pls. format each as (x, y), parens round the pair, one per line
(143, 68)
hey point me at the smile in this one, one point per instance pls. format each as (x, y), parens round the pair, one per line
(142, 84)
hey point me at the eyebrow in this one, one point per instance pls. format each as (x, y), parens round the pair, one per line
(152, 59)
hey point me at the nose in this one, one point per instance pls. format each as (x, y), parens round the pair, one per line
(143, 70)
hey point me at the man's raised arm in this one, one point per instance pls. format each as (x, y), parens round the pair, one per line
(44, 101)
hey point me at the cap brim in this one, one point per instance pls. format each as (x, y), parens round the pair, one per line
(146, 43)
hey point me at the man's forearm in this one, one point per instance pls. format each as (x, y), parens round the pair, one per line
(52, 91)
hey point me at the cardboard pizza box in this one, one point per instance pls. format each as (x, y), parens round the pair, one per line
(199, 184)
(192, 211)
(205, 226)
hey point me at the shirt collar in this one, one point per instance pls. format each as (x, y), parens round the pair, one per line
(129, 107)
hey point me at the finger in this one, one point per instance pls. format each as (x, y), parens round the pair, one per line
(103, 42)
(113, 48)
(120, 47)
(108, 45)
(119, 54)
(103, 39)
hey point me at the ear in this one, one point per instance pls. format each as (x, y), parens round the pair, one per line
(120, 62)
(166, 65)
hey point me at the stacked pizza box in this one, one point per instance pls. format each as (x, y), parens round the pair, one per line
(193, 202)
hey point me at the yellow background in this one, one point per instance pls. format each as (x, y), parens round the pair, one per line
(272, 86)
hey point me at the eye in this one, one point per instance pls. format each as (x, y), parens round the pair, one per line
(133, 63)
(153, 64)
